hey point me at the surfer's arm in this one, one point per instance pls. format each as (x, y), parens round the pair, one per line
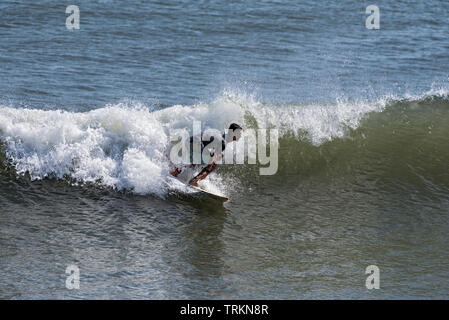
(203, 173)
(208, 169)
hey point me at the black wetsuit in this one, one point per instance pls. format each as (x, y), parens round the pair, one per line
(204, 144)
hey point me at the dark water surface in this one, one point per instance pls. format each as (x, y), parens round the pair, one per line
(363, 174)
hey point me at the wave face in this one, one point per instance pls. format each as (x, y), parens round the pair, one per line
(399, 141)
(404, 147)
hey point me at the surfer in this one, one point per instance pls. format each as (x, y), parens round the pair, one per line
(187, 172)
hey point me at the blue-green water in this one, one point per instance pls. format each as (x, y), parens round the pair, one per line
(363, 161)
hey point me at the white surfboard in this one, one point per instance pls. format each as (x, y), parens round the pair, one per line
(203, 191)
(213, 195)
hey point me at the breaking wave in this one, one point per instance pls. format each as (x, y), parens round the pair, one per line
(122, 145)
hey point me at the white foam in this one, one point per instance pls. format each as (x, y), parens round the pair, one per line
(319, 122)
(122, 145)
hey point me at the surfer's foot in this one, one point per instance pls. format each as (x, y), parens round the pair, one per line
(194, 183)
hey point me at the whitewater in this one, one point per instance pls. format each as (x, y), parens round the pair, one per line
(122, 145)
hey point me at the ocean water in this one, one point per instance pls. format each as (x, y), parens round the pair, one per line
(363, 122)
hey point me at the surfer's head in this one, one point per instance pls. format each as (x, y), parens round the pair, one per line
(234, 132)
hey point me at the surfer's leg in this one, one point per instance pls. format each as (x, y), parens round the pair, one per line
(203, 174)
(187, 173)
